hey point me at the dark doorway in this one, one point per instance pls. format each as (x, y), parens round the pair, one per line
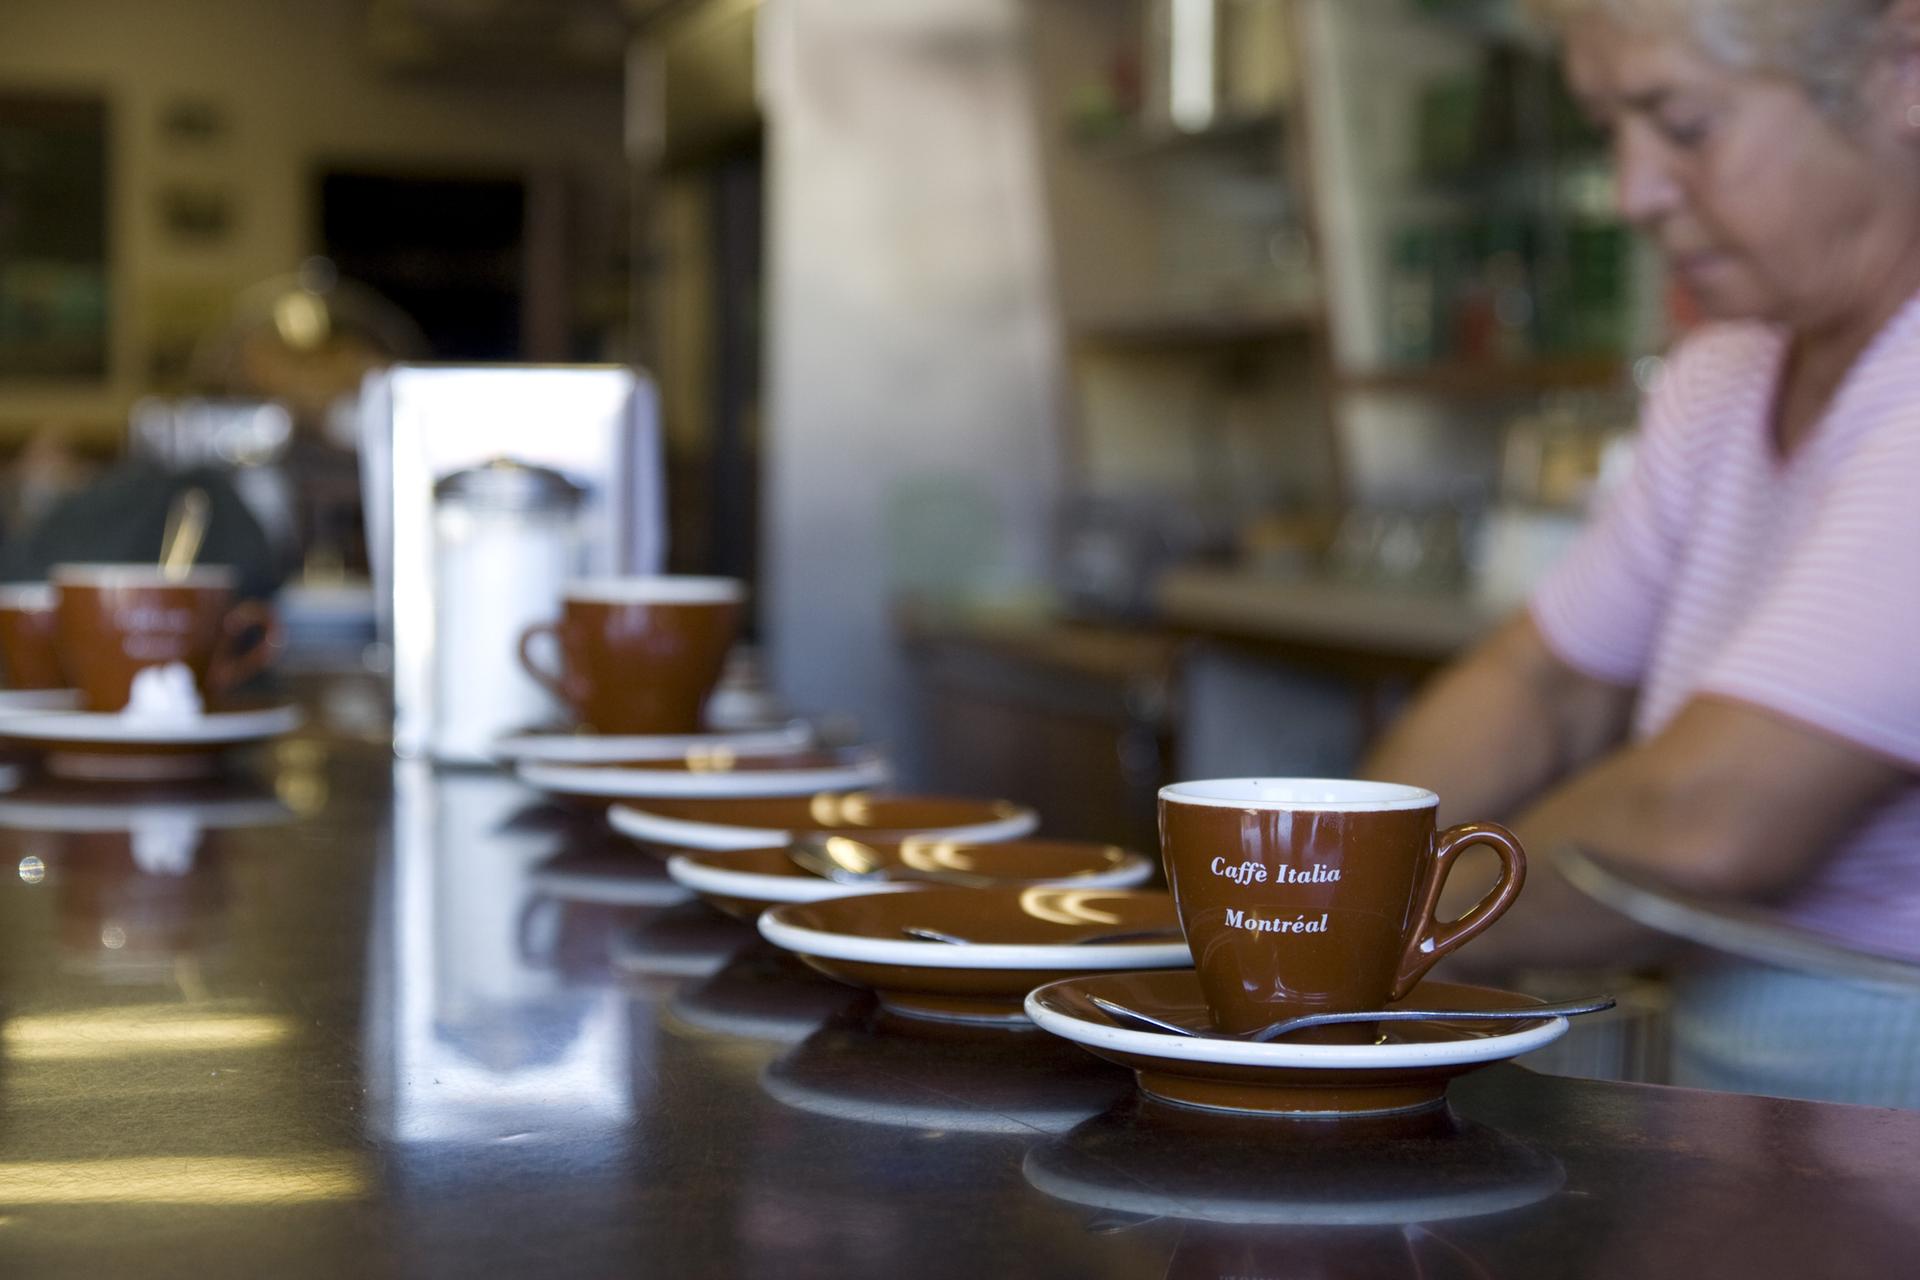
(449, 251)
(734, 480)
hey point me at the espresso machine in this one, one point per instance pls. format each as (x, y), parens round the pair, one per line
(487, 487)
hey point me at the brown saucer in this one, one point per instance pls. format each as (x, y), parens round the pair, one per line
(1019, 939)
(756, 822)
(1406, 1070)
(745, 882)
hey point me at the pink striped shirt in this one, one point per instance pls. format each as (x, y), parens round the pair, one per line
(1792, 584)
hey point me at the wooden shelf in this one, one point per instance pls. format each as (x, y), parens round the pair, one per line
(1491, 379)
(1198, 330)
(1423, 626)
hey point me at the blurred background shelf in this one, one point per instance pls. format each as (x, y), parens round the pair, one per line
(1491, 379)
(1198, 329)
(1417, 627)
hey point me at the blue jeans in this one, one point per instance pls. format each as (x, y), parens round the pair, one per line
(1749, 1028)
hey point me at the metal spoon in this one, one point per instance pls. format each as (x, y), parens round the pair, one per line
(845, 861)
(186, 528)
(1130, 935)
(1274, 1030)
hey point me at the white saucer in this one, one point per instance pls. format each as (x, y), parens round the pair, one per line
(592, 748)
(1391, 1056)
(109, 747)
(678, 833)
(700, 878)
(108, 728)
(917, 954)
(704, 878)
(612, 782)
(14, 702)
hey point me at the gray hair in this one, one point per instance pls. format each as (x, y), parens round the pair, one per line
(1826, 45)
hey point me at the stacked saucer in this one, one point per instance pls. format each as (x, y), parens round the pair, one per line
(758, 822)
(708, 773)
(579, 747)
(972, 955)
(745, 882)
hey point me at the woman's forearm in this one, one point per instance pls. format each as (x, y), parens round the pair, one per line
(1729, 802)
(1499, 728)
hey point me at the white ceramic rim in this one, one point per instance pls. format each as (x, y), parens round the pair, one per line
(216, 728)
(74, 817)
(606, 891)
(1316, 795)
(681, 833)
(908, 953)
(19, 702)
(1238, 1053)
(868, 770)
(28, 595)
(1255, 1211)
(896, 1115)
(755, 886)
(140, 575)
(588, 748)
(658, 589)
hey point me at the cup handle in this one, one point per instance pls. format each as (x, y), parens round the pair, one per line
(552, 683)
(234, 666)
(1431, 942)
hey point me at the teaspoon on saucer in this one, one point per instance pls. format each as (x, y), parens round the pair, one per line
(1274, 1030)
(1131, 935)
(845, 861)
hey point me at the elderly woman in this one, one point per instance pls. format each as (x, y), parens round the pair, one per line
(1720, 686)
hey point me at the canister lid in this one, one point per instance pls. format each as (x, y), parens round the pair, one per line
(506, 484)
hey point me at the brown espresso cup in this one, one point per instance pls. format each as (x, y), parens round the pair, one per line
(1304, 895)
(29, 647)
(116, 620)
(639, 655)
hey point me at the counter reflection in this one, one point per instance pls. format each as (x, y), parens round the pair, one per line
(473, 1030)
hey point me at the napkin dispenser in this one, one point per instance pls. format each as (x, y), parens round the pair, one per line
(595, 425)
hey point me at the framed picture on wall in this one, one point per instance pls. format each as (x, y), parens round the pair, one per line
(54, 292)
